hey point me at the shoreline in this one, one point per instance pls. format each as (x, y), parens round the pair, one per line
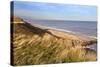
(91, 47)
(62, 30)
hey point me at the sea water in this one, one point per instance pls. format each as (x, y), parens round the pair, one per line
(84, 27)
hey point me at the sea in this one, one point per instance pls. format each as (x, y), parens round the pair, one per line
(83, 27)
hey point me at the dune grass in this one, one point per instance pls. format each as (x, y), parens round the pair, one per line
(32, 45)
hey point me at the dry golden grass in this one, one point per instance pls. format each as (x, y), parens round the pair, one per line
(32, 45)
(15, 19)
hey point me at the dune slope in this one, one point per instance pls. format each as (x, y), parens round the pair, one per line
(33, 45)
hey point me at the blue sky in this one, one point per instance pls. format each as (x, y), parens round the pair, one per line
(51, 11)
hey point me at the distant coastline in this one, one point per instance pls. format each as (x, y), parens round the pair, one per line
(58, 20)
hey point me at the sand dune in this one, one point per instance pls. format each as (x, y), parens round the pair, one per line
(33, 45)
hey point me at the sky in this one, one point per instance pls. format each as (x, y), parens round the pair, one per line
(54, 11)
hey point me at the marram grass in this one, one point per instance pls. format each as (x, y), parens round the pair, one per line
(33, 45)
